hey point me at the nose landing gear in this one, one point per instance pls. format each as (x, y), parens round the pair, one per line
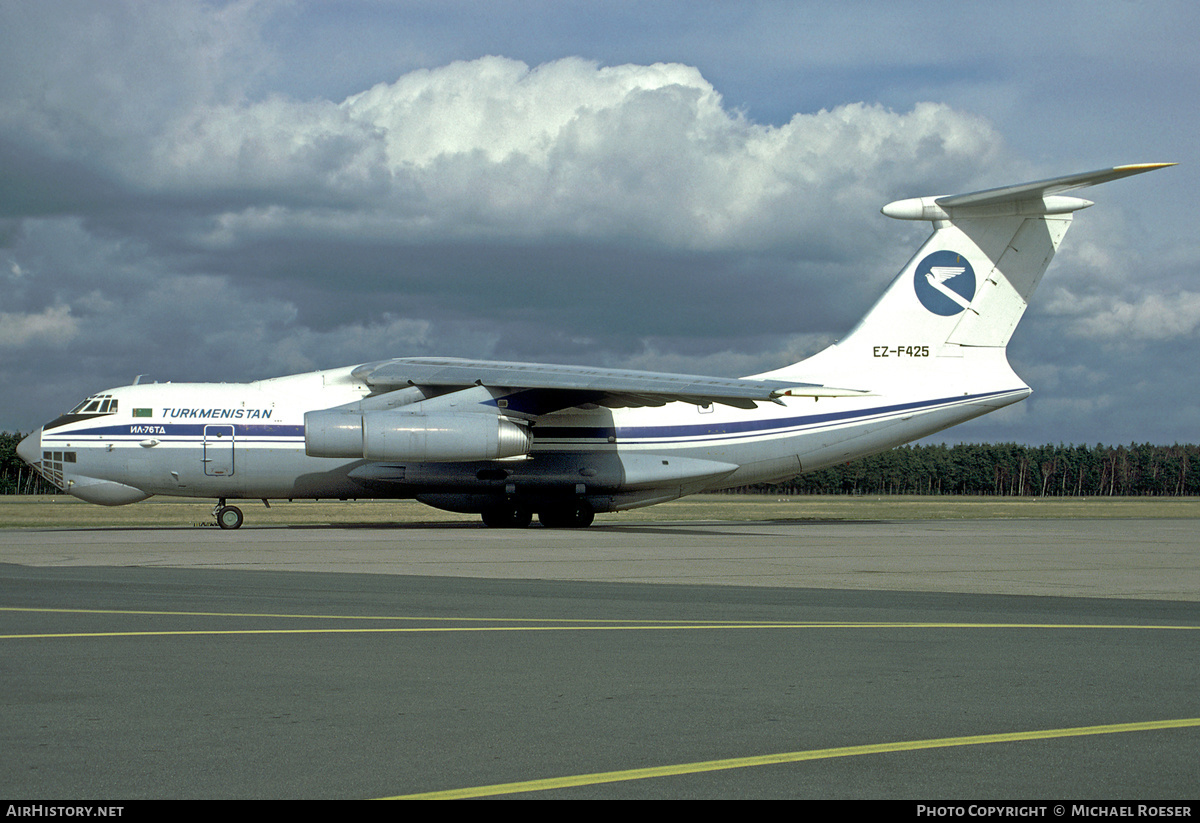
(228, 517)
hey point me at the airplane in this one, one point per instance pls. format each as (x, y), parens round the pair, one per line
(506, 440)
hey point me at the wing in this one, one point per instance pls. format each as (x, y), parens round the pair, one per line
(564, 386)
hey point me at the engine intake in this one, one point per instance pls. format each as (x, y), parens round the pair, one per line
(426, 438)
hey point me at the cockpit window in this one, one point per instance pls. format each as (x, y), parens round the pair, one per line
(96, 404)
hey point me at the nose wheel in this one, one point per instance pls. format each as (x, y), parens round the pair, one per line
(228, 517)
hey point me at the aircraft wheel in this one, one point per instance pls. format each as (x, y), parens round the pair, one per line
(507, 516)
(573, 516)
(229, 517)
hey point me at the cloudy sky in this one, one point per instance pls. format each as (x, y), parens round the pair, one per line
(207, 191)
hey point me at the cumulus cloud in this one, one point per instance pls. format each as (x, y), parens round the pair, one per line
(494, 148)
(484, 148)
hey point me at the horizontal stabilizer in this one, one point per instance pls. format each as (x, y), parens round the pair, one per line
(1038, 197)
(1043, 188)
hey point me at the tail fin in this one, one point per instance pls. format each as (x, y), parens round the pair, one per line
(968, 286)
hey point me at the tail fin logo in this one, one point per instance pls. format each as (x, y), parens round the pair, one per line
(945, 283)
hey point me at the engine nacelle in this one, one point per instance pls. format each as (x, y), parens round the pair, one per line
(426, 438)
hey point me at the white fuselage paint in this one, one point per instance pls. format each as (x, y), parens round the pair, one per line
(229, 440)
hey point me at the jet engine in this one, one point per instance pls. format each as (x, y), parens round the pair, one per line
(442, 437)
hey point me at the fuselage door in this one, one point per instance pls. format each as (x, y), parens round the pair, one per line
(218, 451)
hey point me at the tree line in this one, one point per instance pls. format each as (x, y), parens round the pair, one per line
(1003, 469)
(1009, 469)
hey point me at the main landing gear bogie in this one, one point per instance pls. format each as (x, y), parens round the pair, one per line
(573, 515)
(507, 516)
(577, 515)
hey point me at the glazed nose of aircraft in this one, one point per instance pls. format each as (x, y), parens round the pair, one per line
(30, 449)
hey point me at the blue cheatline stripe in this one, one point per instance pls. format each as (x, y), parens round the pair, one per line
(241, 430)
(752, 427)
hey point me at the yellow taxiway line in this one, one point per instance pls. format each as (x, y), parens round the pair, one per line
(787, 757)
